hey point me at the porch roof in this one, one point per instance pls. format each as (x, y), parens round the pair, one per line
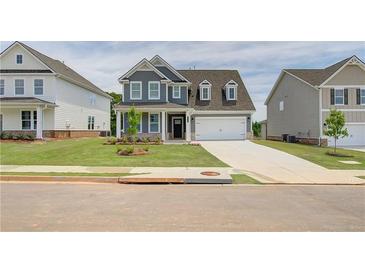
(151, 105)
(21, 101)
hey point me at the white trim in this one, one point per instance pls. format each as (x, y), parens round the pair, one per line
(231, 83)
(320, 115)
(159, 90)
(140, 63)
(31, 118)
(16, 59)
(182, 126)
(343, 96)
(344, 109)
(38, 78)
(205, 84)
(15, 87)
(228, 94)
(354, 60)
(355, 123)
(140, 123)
(173, 94)
(149, 122)
(278, 81)
(223, 112)
(361, 96)
(343, 87)
(140, 90)
(157, 57)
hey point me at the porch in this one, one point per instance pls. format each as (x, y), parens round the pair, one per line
(169, 125)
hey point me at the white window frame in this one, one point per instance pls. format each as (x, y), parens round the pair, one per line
(16, 58)
(343, 96)
(92, 99)
(362, 90)
(173, 92)
(32, 120)
(16, 86)
(281, 106)
(131, 93)
(35, 87)
(149, 122)
(140, 123)
(205, 84)
(2, 86)
(92, 122)
(228, 93)
(202, 93)
(149, 90)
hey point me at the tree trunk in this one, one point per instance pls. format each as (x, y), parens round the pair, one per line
(335, 144)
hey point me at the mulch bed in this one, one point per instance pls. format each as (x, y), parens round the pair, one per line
(339, 154)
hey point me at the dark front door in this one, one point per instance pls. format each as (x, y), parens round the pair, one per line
(177, 125)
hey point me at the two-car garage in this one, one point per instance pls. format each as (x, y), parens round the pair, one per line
(220, 128)
(356, 136)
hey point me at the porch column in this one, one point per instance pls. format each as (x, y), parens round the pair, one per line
(188, 127)
(163, 125)
(117, 112)
(39, 134)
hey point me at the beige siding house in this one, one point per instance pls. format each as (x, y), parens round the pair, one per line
(43, 96)
(301, 100)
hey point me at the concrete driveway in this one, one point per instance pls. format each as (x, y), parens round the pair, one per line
(273, 166)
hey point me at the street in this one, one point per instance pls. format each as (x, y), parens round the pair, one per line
(112, 207)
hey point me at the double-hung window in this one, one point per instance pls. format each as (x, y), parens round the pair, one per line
(154, 123)
(362, 96)
(90, 122)
(205, 93)
(154, 90)
(231, 94)
(176, 92)
(38, 86)
(19, 59)
(2, 86)
(19, 86)
(136, 90)
(29, 119)
(339, 97)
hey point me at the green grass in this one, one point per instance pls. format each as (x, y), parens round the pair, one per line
(244, 179)
(92, 152)
(66, 174)
(318, 155)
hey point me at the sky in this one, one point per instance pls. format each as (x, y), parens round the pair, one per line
(259, 63)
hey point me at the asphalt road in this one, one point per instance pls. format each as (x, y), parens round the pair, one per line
(107, 207)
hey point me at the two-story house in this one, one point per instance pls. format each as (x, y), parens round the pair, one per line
(185, 104)
(42, 95)
(301, 100)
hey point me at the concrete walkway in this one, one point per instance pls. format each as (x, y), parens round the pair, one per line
(273, 166)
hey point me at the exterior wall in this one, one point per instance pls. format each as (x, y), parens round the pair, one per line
(145, 125)
(168, 73)
(263, 131)
(48, 85)
(74, 107)
(184, 96)
(145, 77)
(301, 109)
(350, 116)
(220, 115)
(12, 118)
(8, 61)
(326, 99)
(350, 74)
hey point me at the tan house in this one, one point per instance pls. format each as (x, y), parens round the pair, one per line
(301, 100)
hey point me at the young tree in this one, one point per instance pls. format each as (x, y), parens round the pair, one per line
(336, 126)
(256, 128)
(134, 118)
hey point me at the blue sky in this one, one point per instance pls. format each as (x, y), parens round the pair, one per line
(259, 63)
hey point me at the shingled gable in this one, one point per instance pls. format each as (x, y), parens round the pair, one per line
(61, 69)
(168, 70)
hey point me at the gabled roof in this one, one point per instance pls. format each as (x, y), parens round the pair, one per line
(61, 69)
(316, 77)
(143, 63)
(218, 79)
(167, 69)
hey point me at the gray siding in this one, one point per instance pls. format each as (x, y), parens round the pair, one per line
(144, 122)
(183, 99)
(145, 77)
(301, 109)
(169, 74)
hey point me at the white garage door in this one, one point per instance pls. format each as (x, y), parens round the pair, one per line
(220, 128)
(356, 136)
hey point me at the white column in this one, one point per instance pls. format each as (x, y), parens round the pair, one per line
(188, 127)
(39, 122)
(118, 124)
(163, 125)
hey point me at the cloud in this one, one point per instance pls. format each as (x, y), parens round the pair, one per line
(259, 63)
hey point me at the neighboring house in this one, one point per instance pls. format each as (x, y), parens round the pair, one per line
(185, 104)
(42, 95)
(301, 100)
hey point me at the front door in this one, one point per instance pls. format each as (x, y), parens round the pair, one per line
(177, 127)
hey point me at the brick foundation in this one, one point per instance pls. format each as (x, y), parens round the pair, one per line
(61, 134)
(305, 141)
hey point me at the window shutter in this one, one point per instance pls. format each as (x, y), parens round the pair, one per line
(346, 95)
(358, 96)
(332, 96)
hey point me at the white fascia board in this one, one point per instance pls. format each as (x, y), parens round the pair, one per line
(223, 112)
(157, 57)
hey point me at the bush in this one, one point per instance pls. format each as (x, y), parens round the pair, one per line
(145, 140)
(29, 137)
(125, 150)
(146, 148)
(158, 140)
(111, 141)
(15, 136)
(124, 139)
(7, 135)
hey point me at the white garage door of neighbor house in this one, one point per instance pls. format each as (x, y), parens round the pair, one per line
(356, 136)
(220, 128)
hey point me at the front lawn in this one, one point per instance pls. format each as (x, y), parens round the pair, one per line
(244, 179)
(92, 152)
(65, 174)
(318, 155)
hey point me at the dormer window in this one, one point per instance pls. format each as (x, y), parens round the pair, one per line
(231, 90)
(205, 90)
(19, 59)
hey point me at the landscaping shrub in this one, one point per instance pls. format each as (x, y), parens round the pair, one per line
(124, 139)
(158, 140)
(146, 148)
(29, 137)
(15, 137)
(145, 140)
